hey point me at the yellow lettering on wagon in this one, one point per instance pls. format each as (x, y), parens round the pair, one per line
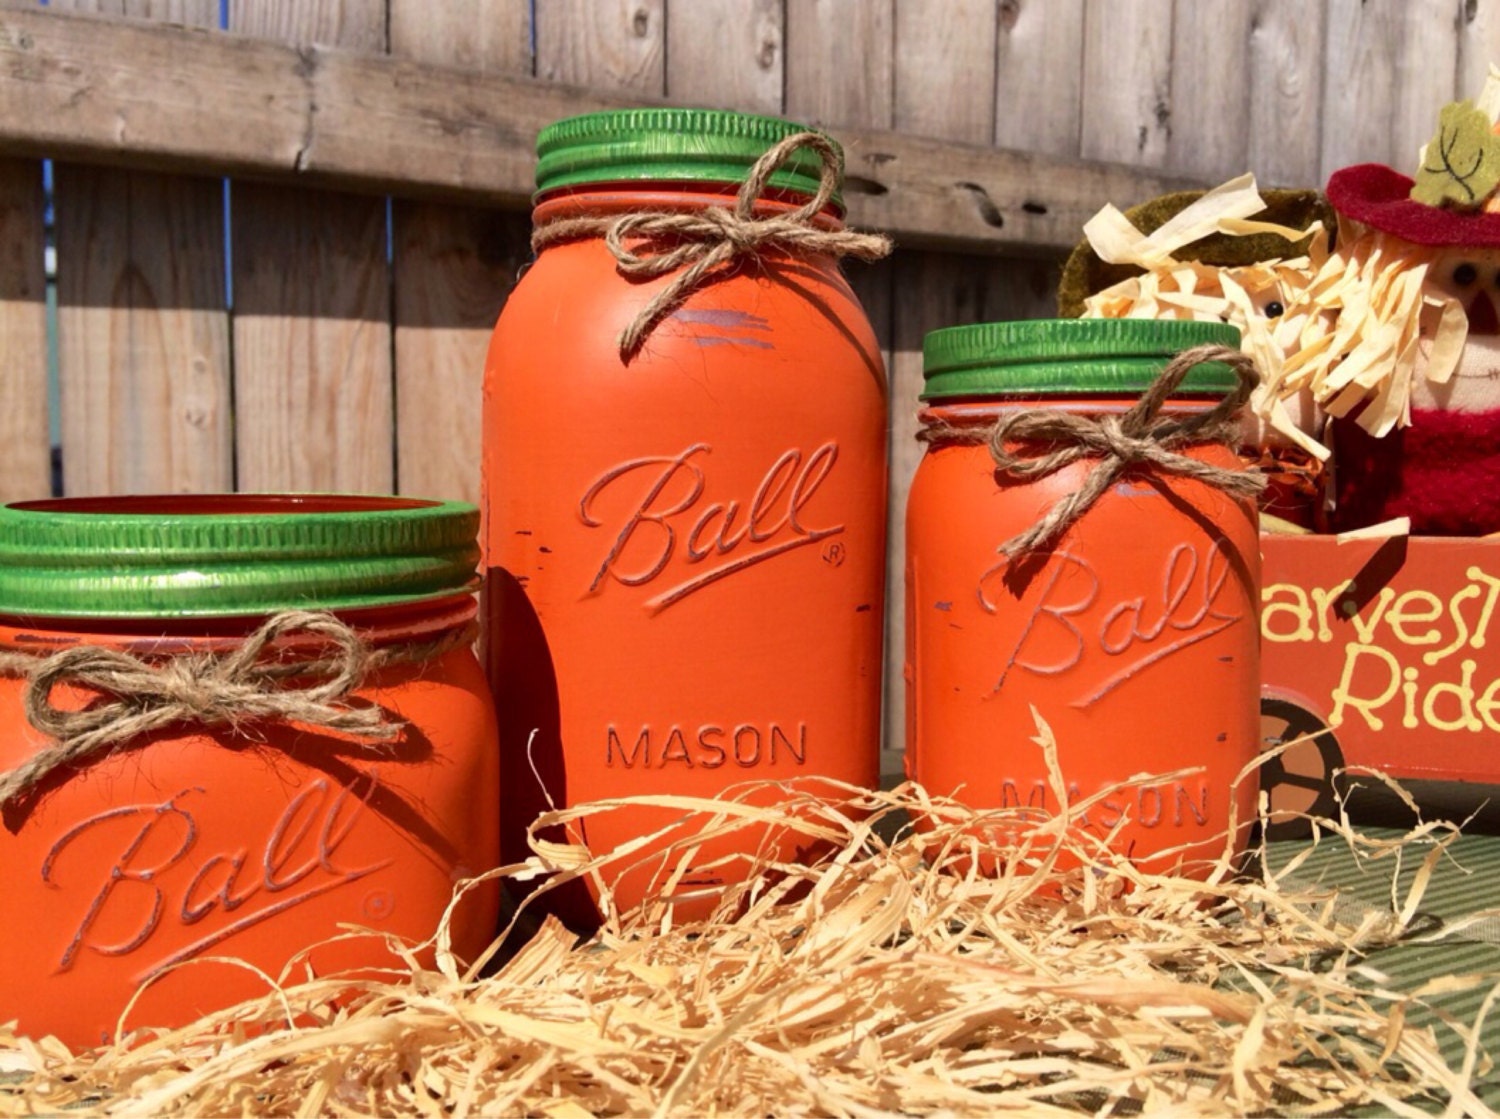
(1463, 692)
(1375, 681)
(1482, 626)
(1290, 601)
(1366, 698)
(1460, 626)
(1323, 602)
(1403, 613)
(1368, 627)
(1487, 704)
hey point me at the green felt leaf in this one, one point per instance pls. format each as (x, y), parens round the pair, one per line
(1462, 164)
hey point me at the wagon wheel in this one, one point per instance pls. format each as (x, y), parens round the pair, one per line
(1301, 781)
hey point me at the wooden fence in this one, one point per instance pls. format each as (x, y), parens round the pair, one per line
(283, 228)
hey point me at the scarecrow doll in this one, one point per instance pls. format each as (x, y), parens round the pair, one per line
(1437, 461)
(1382, 342)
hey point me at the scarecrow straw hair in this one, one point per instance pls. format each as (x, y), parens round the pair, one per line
(884, 976)
(1358, 324)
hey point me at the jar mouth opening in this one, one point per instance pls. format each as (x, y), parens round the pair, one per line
(220, 505)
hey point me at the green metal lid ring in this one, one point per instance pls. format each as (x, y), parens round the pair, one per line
(230, 554)
(670, 145)
(1085, 357)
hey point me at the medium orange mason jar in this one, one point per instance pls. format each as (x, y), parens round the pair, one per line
(684, 532)
(207, 770)
(1133, 634)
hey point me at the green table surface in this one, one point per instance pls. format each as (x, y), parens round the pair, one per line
(1465, 885)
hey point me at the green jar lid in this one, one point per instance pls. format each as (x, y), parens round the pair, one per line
(226, 555)
(671, 145)
(1070, 357)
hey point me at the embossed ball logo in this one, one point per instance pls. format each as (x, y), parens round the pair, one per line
(676, 526)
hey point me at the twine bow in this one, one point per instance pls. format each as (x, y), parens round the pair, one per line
(207, 689)
(714, 238)
(1033, 444)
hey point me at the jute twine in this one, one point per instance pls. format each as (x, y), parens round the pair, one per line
(651, 243)
(205, 689)
(1028, 445)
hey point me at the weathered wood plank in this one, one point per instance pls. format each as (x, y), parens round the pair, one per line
(143, 333)
(143, 330)
(1478, 46)
(1127, 91)
(1429, 72)
(356, 25)
(312, 341)
(25, 443)
(726, 54)
(935, 194)
(489, 35)
(945, 68)
(1039, 76)
(164, 97)
(855, 90)
(452, 268)
(1286, 82)
(1389, 67)
(603, 44)
(312, 330)
(157, 97)
(190, 13)
(1209, 130)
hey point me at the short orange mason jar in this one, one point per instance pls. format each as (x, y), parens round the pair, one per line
(1133, 634)
(684, 537)
(233, 726)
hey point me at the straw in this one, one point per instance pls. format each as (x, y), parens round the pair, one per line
(886, 975)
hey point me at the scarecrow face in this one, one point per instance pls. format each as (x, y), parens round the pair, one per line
(1472, 276)
(1265, 319)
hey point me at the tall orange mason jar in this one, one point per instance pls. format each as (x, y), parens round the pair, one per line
(1133, 634)
(233, 726)
(684, 484)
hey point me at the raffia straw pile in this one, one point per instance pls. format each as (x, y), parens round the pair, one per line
(886, 977)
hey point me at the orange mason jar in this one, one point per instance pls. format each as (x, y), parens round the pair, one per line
(216, 776)
(1133, 635)
(684, 539)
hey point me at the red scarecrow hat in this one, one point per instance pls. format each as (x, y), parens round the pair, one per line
(1381, 198)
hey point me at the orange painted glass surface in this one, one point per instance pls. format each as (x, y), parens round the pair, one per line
(250, 844)
(684, 553)
(1135, 638)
